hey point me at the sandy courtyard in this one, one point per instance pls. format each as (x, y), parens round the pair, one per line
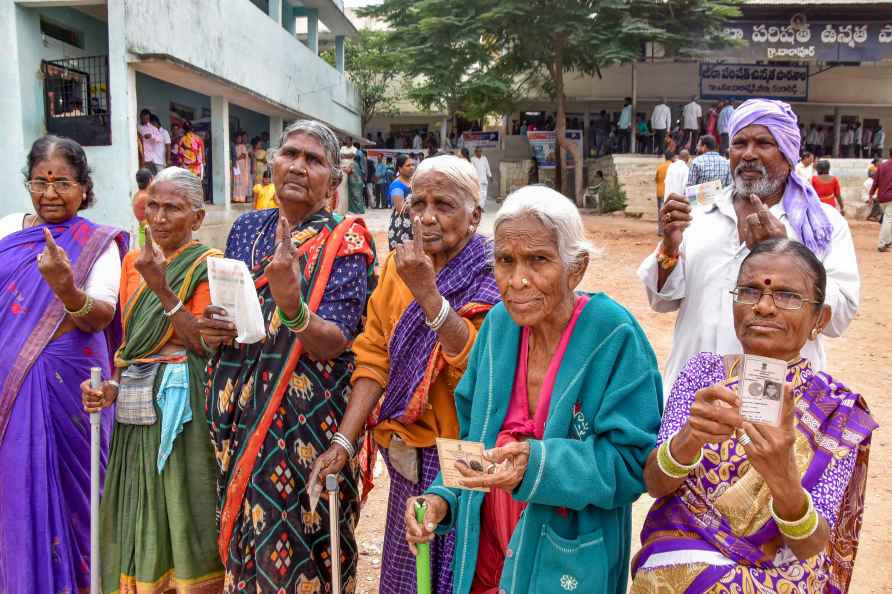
(856, 359)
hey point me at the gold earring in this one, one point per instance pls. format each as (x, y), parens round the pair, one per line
(814, 333)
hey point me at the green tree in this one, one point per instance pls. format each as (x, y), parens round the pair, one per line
(534, 43)
(372, 67)
(445, 63)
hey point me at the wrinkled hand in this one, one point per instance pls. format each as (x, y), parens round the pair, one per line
(414, 266)
(510, 462)
(714, 417)
(96, 400)
(152, 265)
(762, 225)
(215, 332)
(675, 216)
(54, 265)
(772, 449)
(415, 532)
(283, 271)
(331, 461)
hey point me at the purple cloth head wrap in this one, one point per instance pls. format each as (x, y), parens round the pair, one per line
(801, 203)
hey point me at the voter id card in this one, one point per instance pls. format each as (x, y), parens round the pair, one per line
(470, 453)
(761, 390)
(703, 195)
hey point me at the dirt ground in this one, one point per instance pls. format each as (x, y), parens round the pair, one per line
(856, 359)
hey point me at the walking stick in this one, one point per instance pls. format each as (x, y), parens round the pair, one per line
(95, 419)
(423, 558)
(334, 528)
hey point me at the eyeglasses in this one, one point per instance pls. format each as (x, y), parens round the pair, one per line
(782, 299)
(40, 187)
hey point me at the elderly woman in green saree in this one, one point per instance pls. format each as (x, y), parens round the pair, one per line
(158, 529)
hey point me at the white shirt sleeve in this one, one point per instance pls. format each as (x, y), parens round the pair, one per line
(843, 280)
(104, 280)
(674, 289)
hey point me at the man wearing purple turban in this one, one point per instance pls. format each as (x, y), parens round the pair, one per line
(695, 266)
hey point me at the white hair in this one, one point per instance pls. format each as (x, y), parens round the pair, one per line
(458, 171)
(555, 212)
(185, 182)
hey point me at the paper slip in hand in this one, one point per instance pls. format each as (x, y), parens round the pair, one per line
(232, 288)
(451, 451)
(762, 389)
(704, 194)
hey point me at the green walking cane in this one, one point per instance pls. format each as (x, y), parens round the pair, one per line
(423, 558)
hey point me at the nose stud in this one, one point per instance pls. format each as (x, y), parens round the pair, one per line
(524, 282)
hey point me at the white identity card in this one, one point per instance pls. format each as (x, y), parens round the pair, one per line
(703, 195)
(232, 288)
(762, 389)
(451, 451)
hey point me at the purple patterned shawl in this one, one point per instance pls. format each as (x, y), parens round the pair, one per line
(801, 203)
(30, 310)
(465, 280)
(834, 421)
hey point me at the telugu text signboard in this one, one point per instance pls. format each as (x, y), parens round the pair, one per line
(743, 81)
(823, 41)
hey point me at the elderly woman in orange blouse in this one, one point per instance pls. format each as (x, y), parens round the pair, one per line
(422, 322)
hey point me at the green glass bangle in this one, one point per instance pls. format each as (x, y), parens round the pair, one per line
(299, 322)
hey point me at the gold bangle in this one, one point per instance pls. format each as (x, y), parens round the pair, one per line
(83, 311)
(672, 467)
(799, 529)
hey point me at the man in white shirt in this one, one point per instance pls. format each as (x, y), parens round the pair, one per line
(677, 175)
(162, 150)
(660, 122)
(805, 168)
(624, 126)
(856, 140)
(152, 141)
(848, 139)
(417, 141)
(481, 164)
(692, 123)
(695, 266)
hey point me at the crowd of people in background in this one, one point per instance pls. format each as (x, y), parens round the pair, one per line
(212, 447)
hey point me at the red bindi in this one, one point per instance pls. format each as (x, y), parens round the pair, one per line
(768, 282)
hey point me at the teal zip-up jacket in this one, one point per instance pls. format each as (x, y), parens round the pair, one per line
(584, 474)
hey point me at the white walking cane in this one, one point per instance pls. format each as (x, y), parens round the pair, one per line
(331, 484)
(95, 419)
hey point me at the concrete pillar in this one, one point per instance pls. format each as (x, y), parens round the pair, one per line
(116, 165)
(222, 162)
(632, 128)
(313, 31)
(837, 130)
(275, 130)
(340, 55)
(13, 106)
(275, 10)
(288, 18)
(586, 131)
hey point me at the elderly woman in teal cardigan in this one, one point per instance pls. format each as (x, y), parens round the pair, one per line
(564, 389)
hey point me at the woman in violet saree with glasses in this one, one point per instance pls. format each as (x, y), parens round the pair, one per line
(59, 279)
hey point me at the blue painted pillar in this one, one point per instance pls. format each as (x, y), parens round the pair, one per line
(275, 10)
(313, 31)
(339, 53)
(288, 18)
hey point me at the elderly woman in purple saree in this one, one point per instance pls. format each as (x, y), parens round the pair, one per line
(747, 507)
(58, 320)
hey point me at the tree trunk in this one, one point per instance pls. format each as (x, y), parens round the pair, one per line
(560, 128)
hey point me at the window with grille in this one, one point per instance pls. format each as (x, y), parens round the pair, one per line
(76, 99)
